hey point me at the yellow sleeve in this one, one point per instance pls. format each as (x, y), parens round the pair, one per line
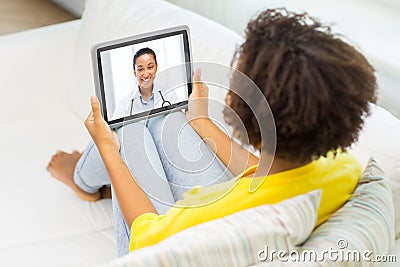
(141, 223)
(140, 226)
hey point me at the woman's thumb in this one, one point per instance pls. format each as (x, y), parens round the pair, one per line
(94, 101)
(197, 75)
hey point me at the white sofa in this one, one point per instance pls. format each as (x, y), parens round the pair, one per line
(46, 82)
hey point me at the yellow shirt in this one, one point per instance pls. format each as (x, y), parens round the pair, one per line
(337, 177)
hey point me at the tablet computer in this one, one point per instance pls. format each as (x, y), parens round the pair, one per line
(143, 76)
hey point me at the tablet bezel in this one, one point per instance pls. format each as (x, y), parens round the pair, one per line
(98, 75)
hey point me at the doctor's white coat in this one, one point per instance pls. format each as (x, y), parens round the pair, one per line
(123, 108)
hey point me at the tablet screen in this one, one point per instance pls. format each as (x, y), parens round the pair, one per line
(143, 76)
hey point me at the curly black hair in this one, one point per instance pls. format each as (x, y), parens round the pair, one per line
(317, 86)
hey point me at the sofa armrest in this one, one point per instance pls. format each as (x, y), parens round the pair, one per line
(37, 71)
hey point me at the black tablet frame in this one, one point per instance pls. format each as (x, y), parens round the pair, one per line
(98, 72)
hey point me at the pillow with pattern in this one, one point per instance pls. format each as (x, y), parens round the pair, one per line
(241, 239)
(363, 229)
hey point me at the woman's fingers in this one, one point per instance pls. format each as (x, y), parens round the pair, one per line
(94, 101)
(94, 118)
(97, 126)
(197, 75)
(198, 100)
(116, 140)
(196, 83)
(199, 88)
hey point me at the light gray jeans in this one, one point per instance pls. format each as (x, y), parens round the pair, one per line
(166, 157)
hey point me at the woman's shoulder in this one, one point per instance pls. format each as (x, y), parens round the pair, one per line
(344, 159)
(341, 165)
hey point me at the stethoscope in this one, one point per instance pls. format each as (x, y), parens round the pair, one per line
(164, 102)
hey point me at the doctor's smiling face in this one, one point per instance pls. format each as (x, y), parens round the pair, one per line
(145, 69)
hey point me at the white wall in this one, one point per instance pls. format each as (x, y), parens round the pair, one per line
(75, 7)
(392, 3)
(371, 25)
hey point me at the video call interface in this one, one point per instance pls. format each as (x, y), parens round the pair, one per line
(131, 89)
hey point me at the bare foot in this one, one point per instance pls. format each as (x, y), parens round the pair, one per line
(62, 166)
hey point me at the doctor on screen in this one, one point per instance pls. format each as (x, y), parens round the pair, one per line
(149, 95)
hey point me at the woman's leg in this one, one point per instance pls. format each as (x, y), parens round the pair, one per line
(90, 173)
(122, 231)
(186, 158)
(140, 155)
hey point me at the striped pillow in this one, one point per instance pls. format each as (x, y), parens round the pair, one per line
(239, 239)
(364, 226)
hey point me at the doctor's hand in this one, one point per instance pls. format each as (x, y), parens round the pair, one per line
(98, 128)
(197, 111)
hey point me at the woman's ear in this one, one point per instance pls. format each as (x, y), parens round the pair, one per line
(134, 72)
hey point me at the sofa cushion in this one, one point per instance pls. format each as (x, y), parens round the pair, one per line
(84, 249)
(240, 239)
(34, 207)
(380, 139)
(364, 224)
(105, 20)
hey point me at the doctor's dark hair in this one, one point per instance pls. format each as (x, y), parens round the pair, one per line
(144, 51)
(317, 86)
